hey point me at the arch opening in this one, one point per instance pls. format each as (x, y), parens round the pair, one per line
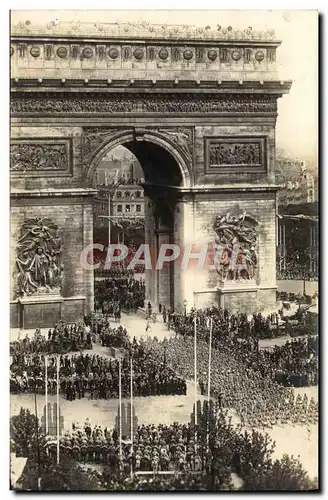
(137, 184)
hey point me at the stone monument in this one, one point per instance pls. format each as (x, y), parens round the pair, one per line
(237, 256)
(39, 273)
(52, 420)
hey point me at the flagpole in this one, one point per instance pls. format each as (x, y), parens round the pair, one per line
(58, 366)
(209, 379)
(120, 402)
(131, 415)
(195, 381)
(209, 362)
(109, 214)
(37, 436)
(46, 389)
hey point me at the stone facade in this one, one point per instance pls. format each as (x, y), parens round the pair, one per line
(115, 51)
(173, 127)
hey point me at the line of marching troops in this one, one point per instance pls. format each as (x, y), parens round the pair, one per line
(259, 400)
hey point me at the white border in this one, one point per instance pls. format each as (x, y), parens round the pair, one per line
(4, 198)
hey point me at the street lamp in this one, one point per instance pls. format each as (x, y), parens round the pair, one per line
(185, 303)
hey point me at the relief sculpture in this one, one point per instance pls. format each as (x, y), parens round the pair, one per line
(93, 137)
(236, 239)
(183, 138)
(140, 104)
(235, 154)
(38, 259)
(29, 157)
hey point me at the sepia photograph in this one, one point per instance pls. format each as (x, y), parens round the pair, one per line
(164, 251)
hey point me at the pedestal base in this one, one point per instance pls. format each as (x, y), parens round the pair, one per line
(41, 311)
(45, 310)
(247, 298)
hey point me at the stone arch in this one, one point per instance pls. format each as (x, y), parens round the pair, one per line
(122, 137)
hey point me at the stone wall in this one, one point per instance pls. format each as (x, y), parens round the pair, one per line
(239, 122)
(73, 215)
(23, 141)
(235, 132)
(200, 284)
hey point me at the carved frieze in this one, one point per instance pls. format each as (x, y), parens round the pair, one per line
(244, 153)
(138, 103)
(232, 155)
(124, 51)
(40, 156)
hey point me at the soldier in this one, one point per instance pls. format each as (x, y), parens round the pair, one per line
(164, 314)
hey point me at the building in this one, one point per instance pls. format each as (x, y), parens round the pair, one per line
(197, 109)
(123, 199)
(297, 221)
(298, 241)
(114, 169)
(299, 185)
(118, 181)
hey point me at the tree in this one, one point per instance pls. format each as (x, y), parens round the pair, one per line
(26, 433)
(253, 453)
(286, 474)
(66, 476)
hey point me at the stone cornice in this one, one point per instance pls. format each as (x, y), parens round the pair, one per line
(223, 188)
(140, 58)
(151, 86)
(231, 188)
(49, 193)
(209, 42)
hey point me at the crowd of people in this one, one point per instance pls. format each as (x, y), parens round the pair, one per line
(293, 297)
(257, 398)
(117, 269)
(156, 448)
(294, 364)
(60, 339)
(97, 376)
(226, 324)
(105, 334)
(121, 293)
(206, 455)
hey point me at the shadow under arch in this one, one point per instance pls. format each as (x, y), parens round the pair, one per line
(139, 142)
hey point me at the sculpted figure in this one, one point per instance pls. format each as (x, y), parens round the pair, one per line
(236, 232)
(37, 259)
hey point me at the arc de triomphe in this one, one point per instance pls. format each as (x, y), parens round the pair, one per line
(198, 109)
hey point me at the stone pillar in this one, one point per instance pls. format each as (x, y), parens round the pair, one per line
(88, 277)
(190, 277)
(150, 240)
(164, 275)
